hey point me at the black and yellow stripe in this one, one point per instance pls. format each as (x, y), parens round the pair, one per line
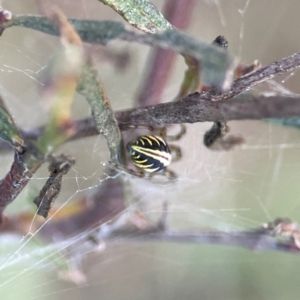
(149, 153)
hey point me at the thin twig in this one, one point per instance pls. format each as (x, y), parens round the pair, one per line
(261, 75)
(280, 235)
(252, 240)
(275, 236)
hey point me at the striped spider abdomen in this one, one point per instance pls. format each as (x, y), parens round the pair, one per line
(150, 153)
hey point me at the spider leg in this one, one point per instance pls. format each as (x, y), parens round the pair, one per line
(129, 127)
(178, 136)
(140, 174)
(177, 151)
(170, 175)
(163, 132)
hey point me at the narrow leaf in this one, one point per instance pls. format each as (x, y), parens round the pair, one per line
(9, 132)
(106, 123)
(90, 31)
(217, 66)
(141, 14)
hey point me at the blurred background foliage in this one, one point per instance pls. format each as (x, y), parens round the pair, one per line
(224, 191)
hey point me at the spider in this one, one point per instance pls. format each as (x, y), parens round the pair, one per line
(151, 154)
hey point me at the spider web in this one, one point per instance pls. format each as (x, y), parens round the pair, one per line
(222, 191)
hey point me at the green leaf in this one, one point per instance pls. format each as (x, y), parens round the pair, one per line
(9, 132)
(216, 65)
(106, 123)
(141, 14)
(90, 31)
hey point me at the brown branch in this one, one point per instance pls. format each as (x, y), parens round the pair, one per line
(199, 107)
(263, 74)
(191, 109)
(194, 109)
(252, 240)
(275, 236)
(280, 235)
